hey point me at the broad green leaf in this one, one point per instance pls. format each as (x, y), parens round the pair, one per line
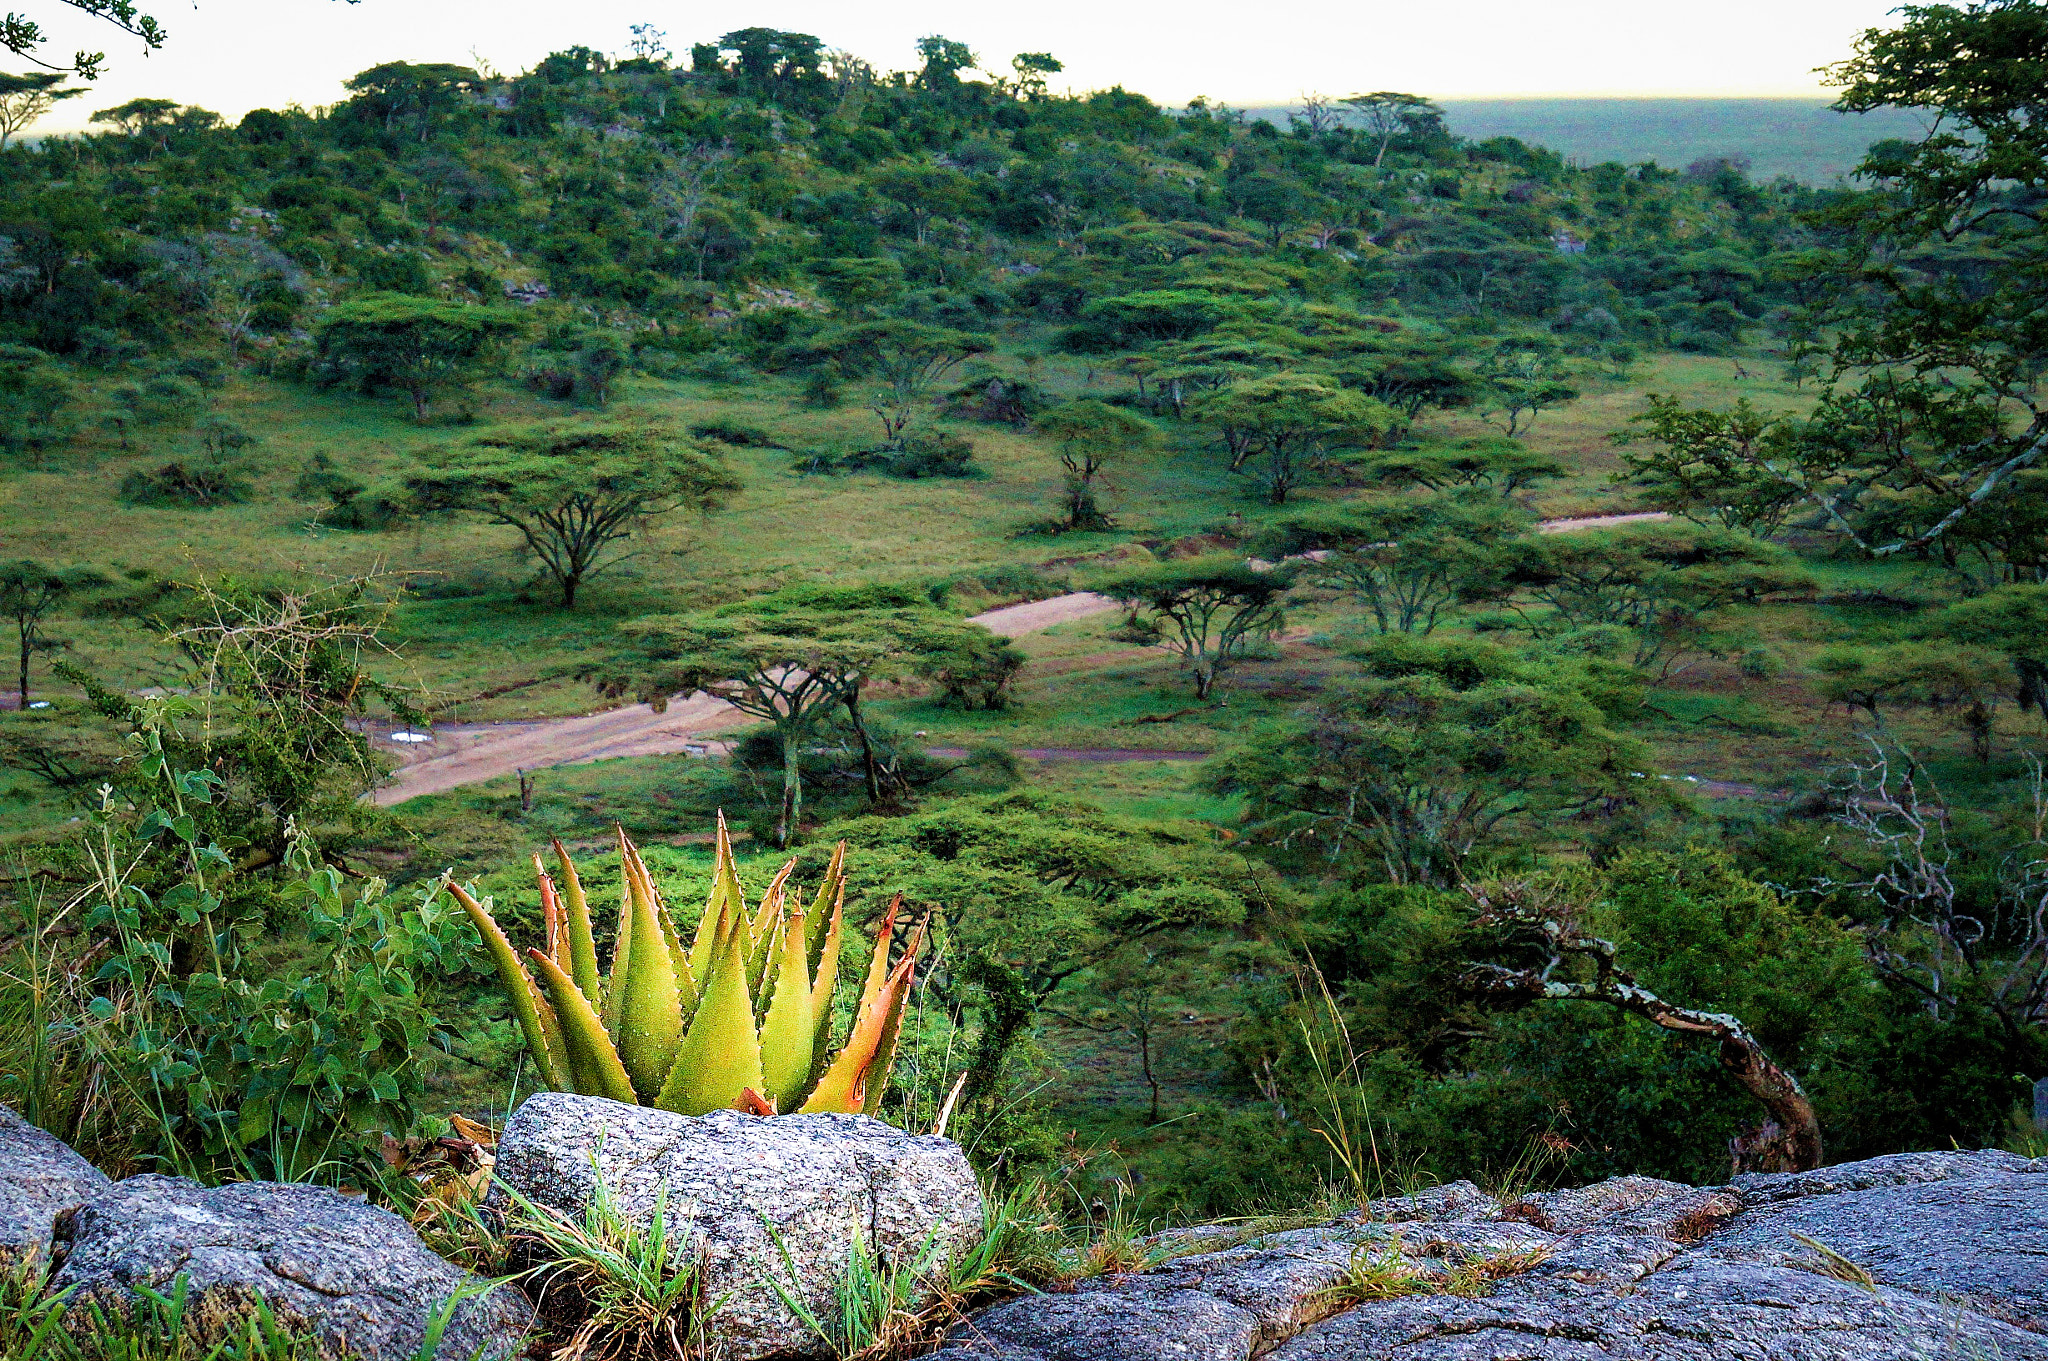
(592, 1059)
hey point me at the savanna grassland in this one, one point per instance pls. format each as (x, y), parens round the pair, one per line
(305, 422)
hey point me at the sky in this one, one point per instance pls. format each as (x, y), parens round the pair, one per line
(234, 55)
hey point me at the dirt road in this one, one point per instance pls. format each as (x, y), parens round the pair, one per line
(470, 753)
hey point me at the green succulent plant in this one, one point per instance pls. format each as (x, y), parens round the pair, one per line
(741, 1019)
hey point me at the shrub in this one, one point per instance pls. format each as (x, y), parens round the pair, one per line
(924, 454)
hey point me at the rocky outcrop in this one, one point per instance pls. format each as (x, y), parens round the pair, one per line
(355, 1277)
(1908, 1258)
(40, 1178)
(765, 1203)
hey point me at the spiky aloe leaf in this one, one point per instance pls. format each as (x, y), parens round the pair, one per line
(611, 1009)
(765, 934)
(593, 1061)
(720, 1056)
(550, 913)
(892, 1026)
(825, 979)
(825, 907)
(725, 897)
(844, 1087)
(576, 927)
(536, 1018)
(789, 1031)
(649, 1023)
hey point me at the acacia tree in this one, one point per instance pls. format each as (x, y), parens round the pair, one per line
(1091, 435)
(1570, 964)
(1388, 114)
(421, 346)
(1290, 422)
(1206, 611)
(574, 494)
(28, 592)
(788, 660)
(1928, 304)
(1406, 561)
(903, 358)
(1944, 676)
(2012, 620)
(1708, 466)
(24, 99)
(1664, 582)
(1438, 748)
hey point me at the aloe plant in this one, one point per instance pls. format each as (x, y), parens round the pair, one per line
(740, 1019)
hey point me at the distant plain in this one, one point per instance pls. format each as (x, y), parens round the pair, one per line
(1800, 138)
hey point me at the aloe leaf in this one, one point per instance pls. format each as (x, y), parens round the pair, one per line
(720, 1056)
(613, 1008)
(576, 926)
(878, 962)
(725, 897)
(844, 1087)
(825, 980)
(536, 1018)
(592, 1058)
(764, 937)
(789, 1030)
(831, 894)
(892, 1025)
(650, 1013)
(550, 912)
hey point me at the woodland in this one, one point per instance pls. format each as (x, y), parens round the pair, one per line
(1568, 697)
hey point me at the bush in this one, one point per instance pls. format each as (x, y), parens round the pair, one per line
(924, 454)
(718, 366)
(732, 432)
(551, 381)
(198, 482)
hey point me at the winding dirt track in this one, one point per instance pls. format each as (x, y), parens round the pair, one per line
(471, 753)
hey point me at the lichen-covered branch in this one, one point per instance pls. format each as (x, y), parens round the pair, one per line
(1797, 1145)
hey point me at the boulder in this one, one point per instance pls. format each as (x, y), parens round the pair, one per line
(40, 1178)
(355, 1277)
(765, 1203)
(1126, 1325)
(1976, 1233)
(1935, 1255)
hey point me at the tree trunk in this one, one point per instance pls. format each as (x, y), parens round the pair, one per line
(23, 691)
(569, 585)
(867, 748)
(792, 787)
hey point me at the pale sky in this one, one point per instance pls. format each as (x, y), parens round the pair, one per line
(234, 55)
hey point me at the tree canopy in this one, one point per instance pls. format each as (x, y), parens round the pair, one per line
(576, 494)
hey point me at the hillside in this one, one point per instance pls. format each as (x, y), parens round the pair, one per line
(711, 403)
